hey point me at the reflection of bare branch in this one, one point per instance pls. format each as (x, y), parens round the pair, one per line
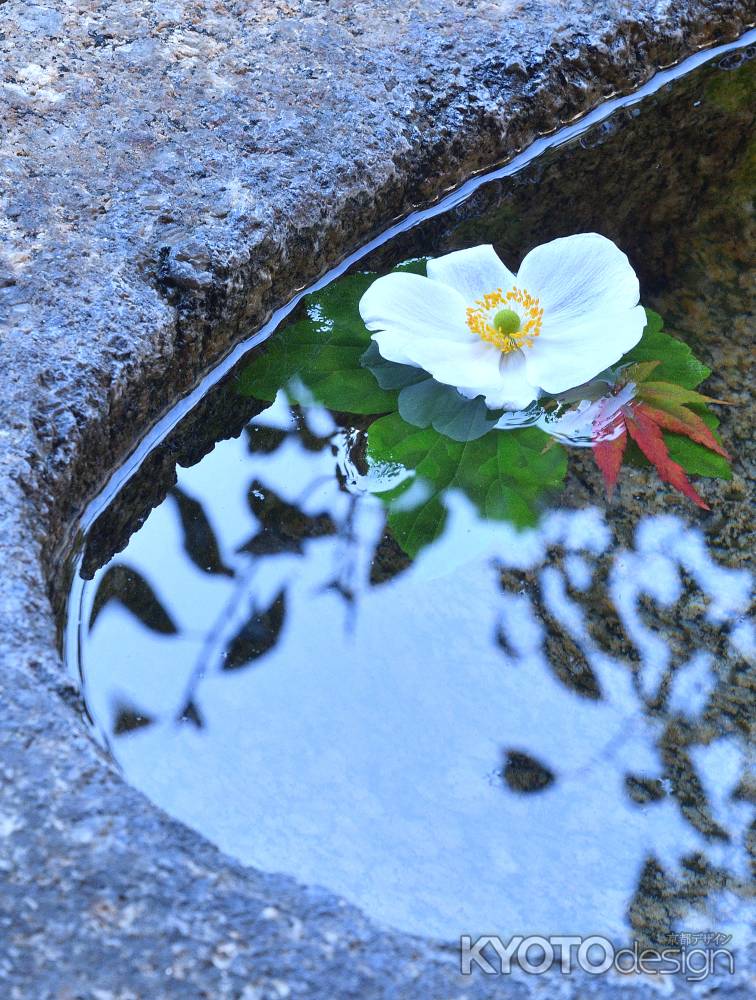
(283, 520)
(215, 638)
(232, 642)
(345, 582)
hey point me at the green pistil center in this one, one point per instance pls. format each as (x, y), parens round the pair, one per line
(506, 321)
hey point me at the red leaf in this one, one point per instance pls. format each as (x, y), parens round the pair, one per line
(648, 436)
(684, 421)
(608, 445)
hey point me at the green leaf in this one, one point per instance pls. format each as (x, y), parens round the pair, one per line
(678, 363)
(670, 392)
(504, 474)
(640, 371)
(317, 358)
(415, 265)
(697, 459)
(431, 404)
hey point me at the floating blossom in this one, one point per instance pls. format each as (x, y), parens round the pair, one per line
(570, 312)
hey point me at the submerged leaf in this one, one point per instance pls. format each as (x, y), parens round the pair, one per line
(431, 404)
(608, 451)
(683, 421)
(424, 402)
(390, 374)
(667, 419)
(689, 427)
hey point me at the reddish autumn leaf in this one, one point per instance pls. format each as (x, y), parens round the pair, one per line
(656, 407)
(608, 445)
(681, 420)
(648, 436)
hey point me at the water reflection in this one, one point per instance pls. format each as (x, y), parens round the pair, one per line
(541, 732)
(513, 732)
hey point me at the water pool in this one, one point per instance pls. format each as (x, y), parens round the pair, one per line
(539, 729)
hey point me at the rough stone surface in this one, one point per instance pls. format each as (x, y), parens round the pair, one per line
(170, 172)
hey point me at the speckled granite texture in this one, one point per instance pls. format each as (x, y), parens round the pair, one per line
(169, 173)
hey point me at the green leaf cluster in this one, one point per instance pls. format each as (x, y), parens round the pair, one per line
(506, 475)
(678, 363)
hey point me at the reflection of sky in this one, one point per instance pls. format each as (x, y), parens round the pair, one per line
(361, 753)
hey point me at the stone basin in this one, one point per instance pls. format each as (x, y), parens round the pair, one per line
(172, 174)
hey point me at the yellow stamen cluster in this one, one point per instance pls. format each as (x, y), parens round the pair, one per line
(480, 319)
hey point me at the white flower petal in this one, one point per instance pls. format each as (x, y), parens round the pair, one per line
(413, 303)
(586, 287)
(566, 354)
(475, 363)
(511, 389)
(473, 272)
(578, 275)
(411, 308)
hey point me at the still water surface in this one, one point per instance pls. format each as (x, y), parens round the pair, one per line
(517, 732)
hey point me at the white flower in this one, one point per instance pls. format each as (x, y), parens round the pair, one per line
(571, 311)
